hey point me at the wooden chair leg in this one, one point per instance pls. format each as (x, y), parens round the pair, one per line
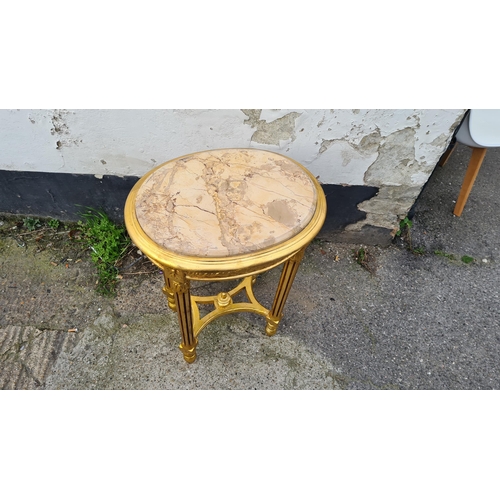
(446, 155)
(470, 176)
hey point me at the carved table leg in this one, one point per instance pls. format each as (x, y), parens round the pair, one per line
(167, 290)
(287, 276)
(179, 286)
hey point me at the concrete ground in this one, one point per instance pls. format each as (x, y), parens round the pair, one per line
(413, 316)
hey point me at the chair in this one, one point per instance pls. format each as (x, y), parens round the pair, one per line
(479, 130)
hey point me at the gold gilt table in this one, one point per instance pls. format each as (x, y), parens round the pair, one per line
(222, 215)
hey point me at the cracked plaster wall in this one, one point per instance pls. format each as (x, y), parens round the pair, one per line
(394, 150)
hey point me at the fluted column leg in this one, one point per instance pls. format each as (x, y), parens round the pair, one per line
(178, 285)
(288, 273)
(167, 290)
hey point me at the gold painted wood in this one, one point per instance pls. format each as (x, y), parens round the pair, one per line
(288, 274)
(182, 298)
(179, 269)
(224, 304)
(167, 290)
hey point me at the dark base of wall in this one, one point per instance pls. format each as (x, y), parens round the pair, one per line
(64, 196)
(343, 210)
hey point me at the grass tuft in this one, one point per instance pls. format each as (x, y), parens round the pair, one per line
(108, 243)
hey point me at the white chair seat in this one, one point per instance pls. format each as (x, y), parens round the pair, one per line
(463, 135)
(481, 129)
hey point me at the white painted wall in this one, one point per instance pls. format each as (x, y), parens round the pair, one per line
(395, 150)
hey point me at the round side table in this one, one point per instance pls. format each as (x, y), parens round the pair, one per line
(221, 215)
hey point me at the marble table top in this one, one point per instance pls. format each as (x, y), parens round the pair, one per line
(225, 202)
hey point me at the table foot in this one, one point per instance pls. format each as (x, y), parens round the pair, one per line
(188, 352)
(271, 326)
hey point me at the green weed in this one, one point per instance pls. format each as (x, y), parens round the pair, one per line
(53, 223)
(364, 259)
(31, 224)
(404, 233)
(108, 243)
(467, 260)
(449, 256)
(404, 225)
(360, 256)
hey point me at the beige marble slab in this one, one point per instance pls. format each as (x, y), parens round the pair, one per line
(225, 202)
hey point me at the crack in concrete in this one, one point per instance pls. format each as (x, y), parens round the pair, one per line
(15, 348)
(30, 373)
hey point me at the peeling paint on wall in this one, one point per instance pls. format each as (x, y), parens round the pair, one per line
(402, 168)
(276, 132)
(60, 129)
(392, 150)
(395, 160)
